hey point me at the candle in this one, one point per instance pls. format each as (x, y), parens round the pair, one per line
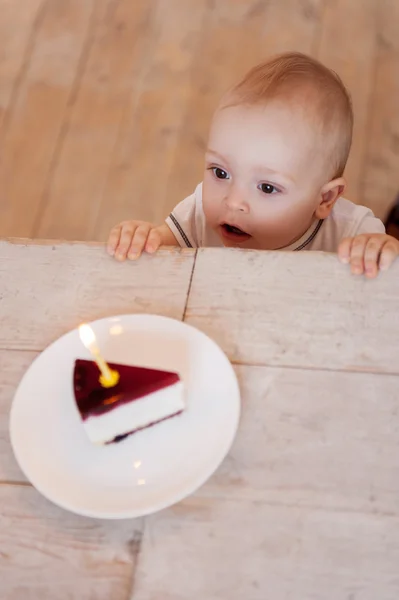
(108, 377)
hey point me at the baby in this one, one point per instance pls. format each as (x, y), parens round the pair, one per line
(277, 149)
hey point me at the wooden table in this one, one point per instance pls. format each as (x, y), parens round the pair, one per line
(306, 505)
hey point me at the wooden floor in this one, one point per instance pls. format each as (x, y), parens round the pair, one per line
(105, 104)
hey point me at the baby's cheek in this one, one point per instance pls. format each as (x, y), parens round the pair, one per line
(211, 211)
(274, 219)
(281, 226)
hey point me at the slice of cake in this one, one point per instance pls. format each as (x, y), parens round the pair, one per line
(141, 398)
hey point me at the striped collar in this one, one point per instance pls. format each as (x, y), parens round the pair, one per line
(306, 239)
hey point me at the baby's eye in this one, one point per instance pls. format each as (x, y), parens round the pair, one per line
(220, 173)
(267, 188)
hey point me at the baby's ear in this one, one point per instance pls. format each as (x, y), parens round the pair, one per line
(330, 192)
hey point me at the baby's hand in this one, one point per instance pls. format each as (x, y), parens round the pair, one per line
(130, 238)
(368, 253)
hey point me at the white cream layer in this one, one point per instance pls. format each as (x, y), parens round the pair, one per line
(135, 414)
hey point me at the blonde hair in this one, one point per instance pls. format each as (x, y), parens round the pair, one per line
(302, 80)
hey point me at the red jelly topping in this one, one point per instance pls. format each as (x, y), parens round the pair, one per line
(134, 383)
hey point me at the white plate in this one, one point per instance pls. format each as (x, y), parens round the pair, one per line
(149, 470)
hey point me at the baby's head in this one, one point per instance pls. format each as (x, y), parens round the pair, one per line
(277, 150)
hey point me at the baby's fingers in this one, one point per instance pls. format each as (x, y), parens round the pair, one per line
(113, 239)
(139, 241)
(127, 234)
(344, 250)
(153, 242)
(389, 252)
(372, 255)
(357, 250)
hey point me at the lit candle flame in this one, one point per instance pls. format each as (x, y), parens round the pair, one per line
(87, 336)
(108, 377)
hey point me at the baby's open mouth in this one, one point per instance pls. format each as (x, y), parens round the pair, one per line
(232, 229)
(234, 233)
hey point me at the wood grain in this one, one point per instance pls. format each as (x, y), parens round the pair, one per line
(228, 548)
(35, 123)
(15, 49)
(139, 173)
(305, 504)
(13, 367)
(381, 167)
(105, 106)
(302, 310)
(352, 56)
(54, 288)
(53, 555)
(319, 440)
(114, 62)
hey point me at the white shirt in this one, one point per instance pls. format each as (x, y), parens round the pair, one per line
(188, 224)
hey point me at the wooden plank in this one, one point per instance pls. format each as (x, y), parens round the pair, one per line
(139, 173)
(228, 548)
(20, 16)
(50, 554)
(289, 309)
(13, 366)
(305, 503)
(304, 506)
(287, 452)
(55, 287)
(320, 440)
(238, 35)
(381, 167)
(115, 61)
(353, 58)
(35, 124)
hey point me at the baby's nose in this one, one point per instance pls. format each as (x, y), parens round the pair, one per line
(236, 202)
